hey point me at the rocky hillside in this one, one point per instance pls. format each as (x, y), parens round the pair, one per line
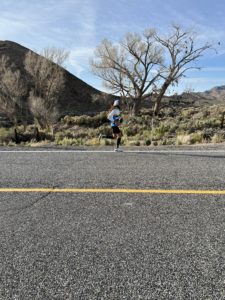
(216, 94)
(78, 97)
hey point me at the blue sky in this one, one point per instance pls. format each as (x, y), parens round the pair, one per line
(80, 25)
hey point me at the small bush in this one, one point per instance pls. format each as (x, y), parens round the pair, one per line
(86, 121)
(207, 133)
(134, 143)
(187, 112)
(6, 135)
(59, 136)
(217, 138)
(183, 139)
(68, 142)
(160, 131)
(92, 142)
(196, 137)
(147, 142)
(187, 139)
(131, 131)
(108, 142)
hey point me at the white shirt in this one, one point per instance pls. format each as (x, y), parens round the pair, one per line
(114, 112)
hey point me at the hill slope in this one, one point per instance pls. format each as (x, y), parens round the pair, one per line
(77, 97)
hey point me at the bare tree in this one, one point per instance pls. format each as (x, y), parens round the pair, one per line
(183, 49)
(40, 112)
(12, 91)
(48, 83)
(139, 66)
(129, 68)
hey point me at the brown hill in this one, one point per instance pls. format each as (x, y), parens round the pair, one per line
(217, 93)
(214, 96)
(78, 97)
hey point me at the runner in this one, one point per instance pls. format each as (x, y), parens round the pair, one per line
(114, 117)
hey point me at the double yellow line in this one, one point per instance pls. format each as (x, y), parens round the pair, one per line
(102, 190)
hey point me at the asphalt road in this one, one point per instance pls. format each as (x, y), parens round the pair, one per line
(112, 245)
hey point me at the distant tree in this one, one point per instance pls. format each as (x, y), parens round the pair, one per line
(130, 68)
(141, 66)
(12, 92)
(48, 83)
(183, 50)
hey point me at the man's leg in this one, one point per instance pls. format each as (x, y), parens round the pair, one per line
(118, 141)
(105, 136)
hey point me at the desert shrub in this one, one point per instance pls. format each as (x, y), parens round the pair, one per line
(134, 143)
(86, 121)
(80, 134)
(196, 137)
(173, 128)
(131, 130)
(187, 139)
(148, 142)
(217, 138)
(207, 133)
(146, 120)
(137, 120)
(206, 113)
(160, 131)
(198, 116)
(70, 142)
(170, 141)
(190, 129)
(34, 143)
(187, 112)
(183, 139)
(207, 123)
(108, 142)
(6, 135)
(92, 142)
(184, 126)
(59, 136)
(146, 134)
(162, 142)
(11, 143)
(169, 112)
(103, 130)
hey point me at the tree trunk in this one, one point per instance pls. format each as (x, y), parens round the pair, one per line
(24, 126)
(222, 120)
(136, 106)
(159, 98)
(16, 137)
(37, 134)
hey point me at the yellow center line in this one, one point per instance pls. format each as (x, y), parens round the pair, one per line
(109, 190)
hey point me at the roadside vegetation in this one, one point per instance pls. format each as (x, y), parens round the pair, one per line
(174, 126)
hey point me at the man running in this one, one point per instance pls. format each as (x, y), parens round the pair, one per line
(116, 120)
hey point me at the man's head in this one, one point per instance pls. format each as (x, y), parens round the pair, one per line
(116, 103)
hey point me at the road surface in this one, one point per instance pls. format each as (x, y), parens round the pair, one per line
(122, 243)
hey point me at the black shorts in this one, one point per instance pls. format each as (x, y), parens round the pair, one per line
(116, 129)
